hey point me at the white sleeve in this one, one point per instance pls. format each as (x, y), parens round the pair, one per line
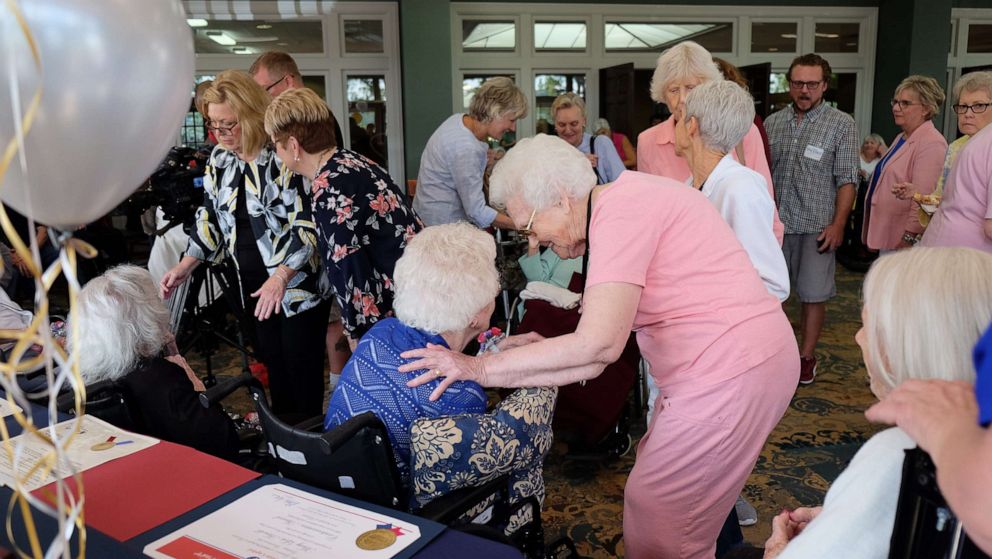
(860, 507)
(748, 209)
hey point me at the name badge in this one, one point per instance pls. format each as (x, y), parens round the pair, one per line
(814, 153)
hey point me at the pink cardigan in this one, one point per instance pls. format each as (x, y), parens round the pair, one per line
(656, 155)
(919, 161)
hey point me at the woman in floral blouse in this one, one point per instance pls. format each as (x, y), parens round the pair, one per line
(255, 215)
(363, 220)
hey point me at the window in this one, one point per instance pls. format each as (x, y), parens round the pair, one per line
(549, 86)
(253, 37)
(472, 82)
(367, 117)
(363, 36)
(979, 38)
(771, 36)
(559, 36)
(631, 36)
(488, 35)
(836, 37)
(841, 92)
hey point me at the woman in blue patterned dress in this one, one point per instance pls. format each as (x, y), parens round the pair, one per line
(362, 217)
(255, 214)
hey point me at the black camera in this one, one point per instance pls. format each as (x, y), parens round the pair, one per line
(176, 186)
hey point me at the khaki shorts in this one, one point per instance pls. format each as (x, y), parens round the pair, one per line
(811, 272)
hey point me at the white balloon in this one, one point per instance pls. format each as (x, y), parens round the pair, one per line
(116, 78)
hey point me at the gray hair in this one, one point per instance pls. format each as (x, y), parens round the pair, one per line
(724, 111)
(118, 320)
(447, 274)
(568, 100)
(930, 93)
(926, 309)
(495, 98)
(687, 59)
(974, 81)
(541, 169)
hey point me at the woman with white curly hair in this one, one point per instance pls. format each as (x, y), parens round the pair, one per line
(122, 330)
(662, 263)
(446, 286)
(679, 70)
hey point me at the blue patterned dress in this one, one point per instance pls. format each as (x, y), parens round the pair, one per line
(370, 382)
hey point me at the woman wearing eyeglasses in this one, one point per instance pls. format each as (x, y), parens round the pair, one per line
(916, 156)
(964, 217)
(255, 215)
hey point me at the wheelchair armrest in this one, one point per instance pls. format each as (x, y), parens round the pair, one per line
(313, 425)
(66, 401)
(447, 508)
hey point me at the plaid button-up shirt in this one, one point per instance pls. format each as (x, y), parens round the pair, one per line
(811, 159)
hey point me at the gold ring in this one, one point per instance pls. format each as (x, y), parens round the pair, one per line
(437, 373)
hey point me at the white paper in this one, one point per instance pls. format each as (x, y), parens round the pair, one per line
(6, 408)
(813, 152)
(282, 522)
(82, 453)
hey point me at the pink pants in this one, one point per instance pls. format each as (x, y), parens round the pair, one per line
(693, 462)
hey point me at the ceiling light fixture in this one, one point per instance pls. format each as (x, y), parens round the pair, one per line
(221, 38)
(263, 26)
(196, 22)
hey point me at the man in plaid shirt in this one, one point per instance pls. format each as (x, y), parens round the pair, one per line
(814, 169)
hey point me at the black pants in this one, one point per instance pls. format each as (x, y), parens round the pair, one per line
(293, 351)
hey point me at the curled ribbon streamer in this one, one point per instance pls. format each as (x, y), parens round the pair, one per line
(68, 508)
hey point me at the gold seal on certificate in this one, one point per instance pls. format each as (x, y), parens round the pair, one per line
(377, 539)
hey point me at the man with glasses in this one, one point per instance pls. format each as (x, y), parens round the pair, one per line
(814, 169)
(276, 72)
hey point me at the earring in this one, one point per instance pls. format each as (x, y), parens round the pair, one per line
(297, 157)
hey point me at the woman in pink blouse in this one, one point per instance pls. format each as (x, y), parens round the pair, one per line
(663, 263)
(680, 69)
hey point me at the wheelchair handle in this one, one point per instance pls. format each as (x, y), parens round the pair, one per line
(224, 389)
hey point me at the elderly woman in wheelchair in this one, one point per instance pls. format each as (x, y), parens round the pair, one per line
(126, 347)
(924, 309)
(446, 285)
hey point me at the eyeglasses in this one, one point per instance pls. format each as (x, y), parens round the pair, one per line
(796, 84)
(527, 231)
(977, 108)
(220, 129)
(269, 87)
(903, 104)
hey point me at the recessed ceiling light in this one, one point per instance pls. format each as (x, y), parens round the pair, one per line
(283, 44)
(221, 38)
(196, 22)
(239, 50)
(788, 35)
(263, 26)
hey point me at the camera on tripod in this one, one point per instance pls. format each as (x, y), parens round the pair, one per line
(176, 187)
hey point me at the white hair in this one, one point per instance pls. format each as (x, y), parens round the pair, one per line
(120, 320)
(687, 59)
(973, 81)
(926, 308)
(724, 111)
(541, 169)
(447, 274)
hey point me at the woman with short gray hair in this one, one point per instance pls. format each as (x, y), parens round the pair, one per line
(446, 286)
(661, 262)
(452, 166)
(121, 334)
(717, 115)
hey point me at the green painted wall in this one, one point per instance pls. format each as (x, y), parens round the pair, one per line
(425, 38)
(900, 52)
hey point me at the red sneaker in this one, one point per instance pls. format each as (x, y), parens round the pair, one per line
(261, 372)
(807, 369)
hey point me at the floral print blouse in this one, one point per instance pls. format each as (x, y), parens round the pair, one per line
(280, 218)
(363, 224)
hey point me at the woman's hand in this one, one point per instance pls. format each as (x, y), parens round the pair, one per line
(181, 361)
(176, 276)
(929, 411)
(533, 245)
(786, 526)
(593, 159)
(442, 363)
(903, 190)
(269, 297)
(511, 342)
(20, 264)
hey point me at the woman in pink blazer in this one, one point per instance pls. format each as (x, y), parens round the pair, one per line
(916, 157)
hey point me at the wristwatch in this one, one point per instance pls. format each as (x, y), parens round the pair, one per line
(910, 238)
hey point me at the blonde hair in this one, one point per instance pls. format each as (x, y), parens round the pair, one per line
(565, 101)
(973, 81)
(540, 170)
(687, 59)
(447, 274)
(248, 101)
(925, 310)
(931, 94)
(495, 98)
(301, 113)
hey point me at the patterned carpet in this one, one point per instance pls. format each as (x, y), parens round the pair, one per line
(822, 429)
